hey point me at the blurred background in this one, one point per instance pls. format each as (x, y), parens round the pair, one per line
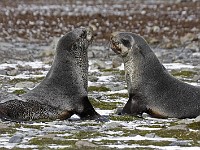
(168, 24)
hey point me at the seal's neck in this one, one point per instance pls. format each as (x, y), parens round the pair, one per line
(142, 70)
(65, 73)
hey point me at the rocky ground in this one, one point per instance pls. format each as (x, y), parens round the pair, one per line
(29, 31)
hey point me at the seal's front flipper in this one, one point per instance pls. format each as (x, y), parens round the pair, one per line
(88, 112)
(134, 106)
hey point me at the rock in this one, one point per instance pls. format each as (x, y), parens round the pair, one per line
(100, 65)
(154, 41)
(12, 72)
(16, 138)
(111, 125)
(90, 54)
(156, 29)
(196, 78)
(51, 136)
(196, 55)
(179, 143)
(116, 62)
(3, 126)
(81, 144)
(27, 84)
(115, 87)
(118, 110)
(178, 127)
(185, 121)
(193, 47)
(2, 72)
(197, 119)
(188, 38)
(151, 135)
(166, 28)
(92, 78)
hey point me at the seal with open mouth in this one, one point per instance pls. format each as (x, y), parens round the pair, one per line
(151, 88)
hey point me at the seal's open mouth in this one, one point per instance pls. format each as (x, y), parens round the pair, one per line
(115, 46)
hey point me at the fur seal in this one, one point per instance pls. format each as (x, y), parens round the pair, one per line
(151, 88)
(63, 92)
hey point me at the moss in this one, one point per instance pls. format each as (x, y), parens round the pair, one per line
(89, 124)
(9, 130)
(104, 105)
(107, 70)
(86, 134)
(32, 126)
(98, 89)
(114, 71)
(154, 126)
(180, 135)
(148, 142)
(194, 126)
(183, 73)
(19, 92)
(35, 80)
(122, 118)
(108, 142)
(117, 95)
(45, 141)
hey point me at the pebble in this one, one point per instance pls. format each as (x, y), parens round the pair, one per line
(100, 65)
(2, 72)
(179, 143)
(193, 47)
(197, 119)
(178, 127)
(12, 72)
(151, 135)
(110, 125)
(16, 138)
(22, 85)
(81, 144)
(3, 126)
(118, 110)
(188, 38)
(116, 62)
(185, 121)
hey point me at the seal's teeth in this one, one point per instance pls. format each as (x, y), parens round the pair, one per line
(89, 37)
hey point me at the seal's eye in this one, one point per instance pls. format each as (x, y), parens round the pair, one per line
(125, 42)
(83, 35)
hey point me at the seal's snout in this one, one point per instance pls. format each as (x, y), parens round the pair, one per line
(115, 43)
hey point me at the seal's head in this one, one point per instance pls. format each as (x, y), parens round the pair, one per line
(121, 43)
(79, 37)
(139, 60)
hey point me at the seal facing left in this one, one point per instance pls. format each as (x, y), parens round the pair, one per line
(151, 88)
(63, 92)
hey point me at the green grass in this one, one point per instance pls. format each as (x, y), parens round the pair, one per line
(98, 89)
(104, 105)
